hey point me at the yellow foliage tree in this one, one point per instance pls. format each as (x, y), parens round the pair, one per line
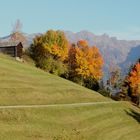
(52, 43)
(50, 51)
(56, 44)
(88, 61)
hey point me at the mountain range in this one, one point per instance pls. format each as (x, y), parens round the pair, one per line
(122, 53)
(115, 52)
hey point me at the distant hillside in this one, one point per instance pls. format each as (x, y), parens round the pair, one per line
(29, 39)
(133, 55)
(131, 59)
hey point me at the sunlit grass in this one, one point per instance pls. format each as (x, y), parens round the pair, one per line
(25, 84)
(93, 122)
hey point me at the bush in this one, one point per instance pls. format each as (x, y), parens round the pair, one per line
(104, 92)
(91, 83)
(52, 66)
(27, 59)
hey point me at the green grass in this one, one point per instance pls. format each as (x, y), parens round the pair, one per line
(25, 84)
(93, 122)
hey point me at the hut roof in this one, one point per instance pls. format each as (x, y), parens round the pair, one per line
(9, 44)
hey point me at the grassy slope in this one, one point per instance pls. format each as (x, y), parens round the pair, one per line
(93, 122)
(23, 84)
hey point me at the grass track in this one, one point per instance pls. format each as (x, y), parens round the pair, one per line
(55, 105)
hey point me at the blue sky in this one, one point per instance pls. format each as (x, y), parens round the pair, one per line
(119, 18)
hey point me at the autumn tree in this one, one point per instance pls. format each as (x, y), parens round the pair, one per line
(134, 80)
(17, 35)
(50, 50)
(115, 80)
(72, 62)
(85, 61)
(53, 43)
(17, 27)
(89, 61)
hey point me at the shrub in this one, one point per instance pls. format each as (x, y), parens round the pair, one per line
(104, 92)
(50, 65)
(91, 83)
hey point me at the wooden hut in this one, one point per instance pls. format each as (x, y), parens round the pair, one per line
(14, 49)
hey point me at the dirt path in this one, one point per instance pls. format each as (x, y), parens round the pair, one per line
(55, 105)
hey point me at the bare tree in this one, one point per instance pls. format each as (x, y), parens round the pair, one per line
(17, 35)
(17, 27)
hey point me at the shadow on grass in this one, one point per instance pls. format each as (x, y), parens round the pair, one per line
(133, 114)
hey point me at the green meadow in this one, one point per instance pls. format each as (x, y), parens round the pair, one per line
(23, 84)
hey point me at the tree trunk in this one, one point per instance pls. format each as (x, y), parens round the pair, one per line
(139, 100)
(139, 93)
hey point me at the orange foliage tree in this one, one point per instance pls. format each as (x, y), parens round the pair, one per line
(134, 80)
(86, 61)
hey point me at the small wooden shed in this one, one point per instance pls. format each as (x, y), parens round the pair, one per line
(14, 49)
